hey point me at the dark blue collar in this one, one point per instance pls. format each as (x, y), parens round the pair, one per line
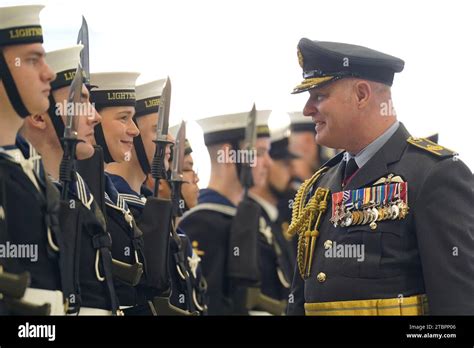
(126, 193)
(212, 196)
(78, 189)
(23, 145)
(145, 191)
(112, 195)
(27, 150)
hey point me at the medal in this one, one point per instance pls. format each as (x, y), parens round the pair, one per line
(375, 214)
(347, 221)
(395, 210)
(396, 196)
(370, 205)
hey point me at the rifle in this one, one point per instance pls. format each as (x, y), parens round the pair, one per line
(13, 285)
(12, 289)
(257, 300)
(129, 274)
(243, 270)
(155, 220)
(176, 181)
(69, 140)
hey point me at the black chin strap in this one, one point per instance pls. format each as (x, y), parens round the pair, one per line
(238, 165)
(55, 118)
(100, 139)
(141, 153)
(10, 88)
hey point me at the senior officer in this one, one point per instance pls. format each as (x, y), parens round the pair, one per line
(385, 227)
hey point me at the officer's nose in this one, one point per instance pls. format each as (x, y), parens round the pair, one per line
(309, 109)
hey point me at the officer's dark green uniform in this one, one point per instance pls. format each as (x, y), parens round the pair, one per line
(420, 250)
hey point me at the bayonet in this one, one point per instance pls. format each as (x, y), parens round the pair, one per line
(74, 98)
(176, 181)
(164, 112)
(158, 165)
(249, 147)
(66, 169)
(178, 154)
(83, 39)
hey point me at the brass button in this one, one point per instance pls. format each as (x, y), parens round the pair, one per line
(328, 244)
(321, 277)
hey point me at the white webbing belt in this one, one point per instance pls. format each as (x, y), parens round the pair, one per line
(42, 296)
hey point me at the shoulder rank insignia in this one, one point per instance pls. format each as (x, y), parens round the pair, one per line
(431, 147)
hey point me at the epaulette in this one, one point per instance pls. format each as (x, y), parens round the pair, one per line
(431, 147)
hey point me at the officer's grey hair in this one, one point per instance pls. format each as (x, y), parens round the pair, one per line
(380, 88)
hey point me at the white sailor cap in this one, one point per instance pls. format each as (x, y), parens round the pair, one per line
(173, 130)
(231, 127)
(20, 25)
(64, 63)
(279, 133)
(279, 149)
(300, 123)
(262, 123)
(113, 88)
(148, 97)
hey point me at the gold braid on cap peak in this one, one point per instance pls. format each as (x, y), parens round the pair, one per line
(314, 81)
(304, 216)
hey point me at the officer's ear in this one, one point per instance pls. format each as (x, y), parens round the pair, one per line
(363, 92)
(37, 121)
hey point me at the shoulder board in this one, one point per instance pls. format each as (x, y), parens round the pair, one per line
(431, 147)
(220, 208)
